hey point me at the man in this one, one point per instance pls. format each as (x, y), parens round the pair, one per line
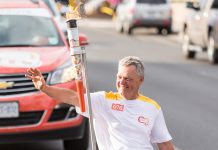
(123, 120)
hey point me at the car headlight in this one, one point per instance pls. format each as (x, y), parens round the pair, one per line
(64, 73)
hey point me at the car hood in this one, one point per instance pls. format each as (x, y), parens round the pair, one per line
(17, 60)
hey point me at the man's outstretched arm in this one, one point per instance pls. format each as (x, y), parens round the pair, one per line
(59, 94)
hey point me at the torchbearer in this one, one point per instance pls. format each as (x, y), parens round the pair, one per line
(79, 58)
(124, 119)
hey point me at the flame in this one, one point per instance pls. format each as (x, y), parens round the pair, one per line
(76, 10)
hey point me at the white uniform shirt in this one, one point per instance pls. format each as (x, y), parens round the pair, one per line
(121, 124)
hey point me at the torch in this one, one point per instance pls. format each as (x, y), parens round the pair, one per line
(76, 11)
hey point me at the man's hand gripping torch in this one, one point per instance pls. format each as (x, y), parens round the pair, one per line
(76, 11)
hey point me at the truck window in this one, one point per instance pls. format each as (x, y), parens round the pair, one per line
(215, 4)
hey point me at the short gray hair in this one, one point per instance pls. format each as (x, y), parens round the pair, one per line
(132, 60)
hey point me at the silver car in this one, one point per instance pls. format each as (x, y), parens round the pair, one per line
(131, 14)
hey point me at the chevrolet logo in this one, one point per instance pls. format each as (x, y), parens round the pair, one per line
(5, 85)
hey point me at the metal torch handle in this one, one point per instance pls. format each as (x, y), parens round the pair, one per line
(91, 125)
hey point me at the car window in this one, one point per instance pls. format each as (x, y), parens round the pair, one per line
(52, 7)
(28, 30)
(203, 4)
(152, 1)
(215, 4)
(125, 1)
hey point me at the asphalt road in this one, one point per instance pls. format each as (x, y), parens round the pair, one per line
(185, 89)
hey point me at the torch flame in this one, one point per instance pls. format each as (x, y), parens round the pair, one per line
(76, 10)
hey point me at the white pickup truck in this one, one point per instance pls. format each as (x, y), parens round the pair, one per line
(200, 29)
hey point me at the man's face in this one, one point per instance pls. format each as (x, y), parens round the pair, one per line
(128, 82)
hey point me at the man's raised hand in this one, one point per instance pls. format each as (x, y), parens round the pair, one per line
(36, 76)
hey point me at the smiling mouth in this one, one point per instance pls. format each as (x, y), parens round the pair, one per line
(124, 87)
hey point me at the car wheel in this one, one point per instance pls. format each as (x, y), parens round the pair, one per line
(128, 29)
(190, 54)
(169, 29)
(163, 31)
(78, 144)
(212, 51)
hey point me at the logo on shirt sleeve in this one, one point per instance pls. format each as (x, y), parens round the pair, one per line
(117, 107)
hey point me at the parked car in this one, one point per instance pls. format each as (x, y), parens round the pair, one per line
(30, 37)
(131, 14)
(200, 29)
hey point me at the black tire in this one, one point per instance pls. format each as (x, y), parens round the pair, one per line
(187, 52)
(169, 29)
(78, 144)
(163, 31)
(211, 50)
(129, 31)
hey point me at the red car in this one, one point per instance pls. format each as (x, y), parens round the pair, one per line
(30, 37)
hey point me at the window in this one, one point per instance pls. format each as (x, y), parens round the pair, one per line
(215, 4)
(203, 4)
(28, 30)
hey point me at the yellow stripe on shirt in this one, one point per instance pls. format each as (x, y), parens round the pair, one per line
(148, 100)
(113, 96)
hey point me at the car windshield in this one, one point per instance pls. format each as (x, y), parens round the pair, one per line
(52, 7)
(152, 1)
(24, 30)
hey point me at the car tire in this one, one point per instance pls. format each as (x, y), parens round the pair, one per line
(163, 31)
(189, 54)
(78, 144)
(169, 29)
(128, 29)
(211, 50)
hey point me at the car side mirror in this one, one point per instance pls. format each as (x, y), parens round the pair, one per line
(83, 40)
(193, 5)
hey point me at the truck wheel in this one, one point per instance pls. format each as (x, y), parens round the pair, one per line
(78, 144)
(189, 54)
(129, 31)
(163, 31)
(169, 29)
(212, 51)
(127, 28)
